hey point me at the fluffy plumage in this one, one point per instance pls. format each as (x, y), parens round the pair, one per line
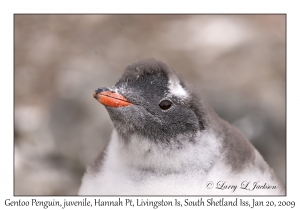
(177, 151)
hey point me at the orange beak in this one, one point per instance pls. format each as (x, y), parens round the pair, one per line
(111, 99)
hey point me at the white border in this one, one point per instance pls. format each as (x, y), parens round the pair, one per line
(8, 8)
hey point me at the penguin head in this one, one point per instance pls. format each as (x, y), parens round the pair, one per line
(150, 100)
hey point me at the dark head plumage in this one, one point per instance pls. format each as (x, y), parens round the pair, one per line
(162, 105)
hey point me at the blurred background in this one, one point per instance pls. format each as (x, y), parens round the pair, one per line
(236, 62)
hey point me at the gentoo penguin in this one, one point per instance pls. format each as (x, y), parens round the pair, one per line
(167, 141)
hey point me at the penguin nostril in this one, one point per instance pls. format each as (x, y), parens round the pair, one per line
(165, 104)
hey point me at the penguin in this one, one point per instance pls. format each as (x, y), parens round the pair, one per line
(167, 141)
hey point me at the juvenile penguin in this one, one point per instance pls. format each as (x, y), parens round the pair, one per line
(167, 141)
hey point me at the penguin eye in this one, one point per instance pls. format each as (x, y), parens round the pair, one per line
(165, 104)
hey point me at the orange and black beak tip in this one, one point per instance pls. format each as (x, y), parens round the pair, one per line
(98, 92)
(95, 95)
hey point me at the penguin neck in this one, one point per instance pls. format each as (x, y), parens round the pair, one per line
(213, 122)
(145, 155)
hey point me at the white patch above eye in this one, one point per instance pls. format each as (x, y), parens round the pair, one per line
(176, 89)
